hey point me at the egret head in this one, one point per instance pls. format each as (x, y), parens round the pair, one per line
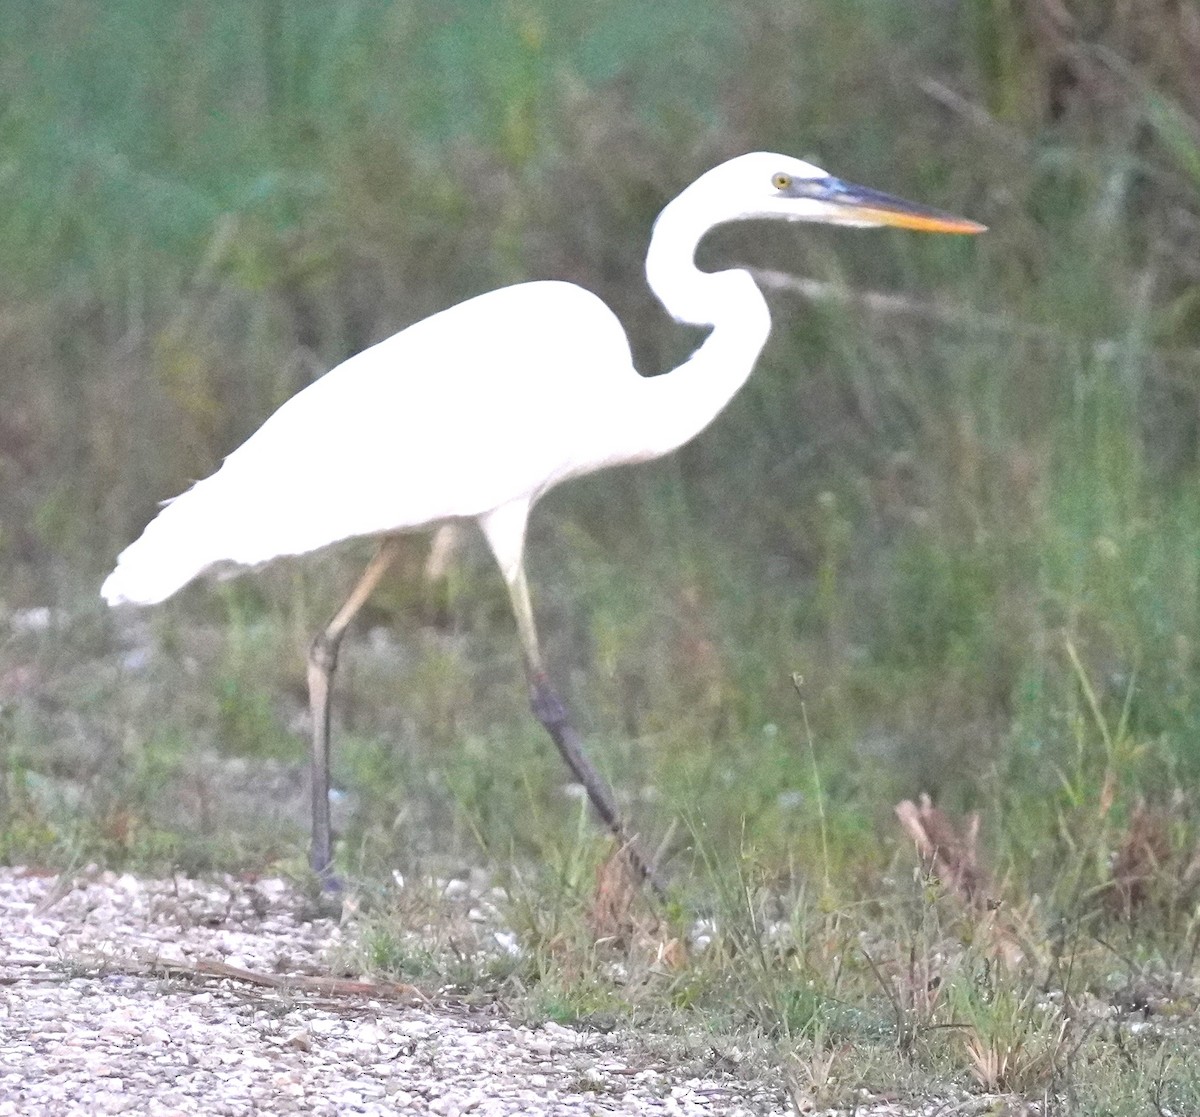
(763, 184)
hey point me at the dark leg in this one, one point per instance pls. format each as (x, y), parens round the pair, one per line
(322, 662)
(505, 531)
(548, 708)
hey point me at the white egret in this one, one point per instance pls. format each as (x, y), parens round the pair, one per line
(477, 411)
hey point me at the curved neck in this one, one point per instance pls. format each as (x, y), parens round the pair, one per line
(681, 403)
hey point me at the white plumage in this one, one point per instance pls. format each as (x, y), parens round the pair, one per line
(477, 411)
(386, 440)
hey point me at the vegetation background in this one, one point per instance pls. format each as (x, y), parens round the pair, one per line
(966, 513)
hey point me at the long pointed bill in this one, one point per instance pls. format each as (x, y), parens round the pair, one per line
(863, 203)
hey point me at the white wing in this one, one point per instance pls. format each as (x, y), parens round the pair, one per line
(496, 398)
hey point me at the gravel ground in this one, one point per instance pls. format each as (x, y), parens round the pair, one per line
(163, 997)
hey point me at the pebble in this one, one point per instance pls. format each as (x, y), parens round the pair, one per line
(105, 1042)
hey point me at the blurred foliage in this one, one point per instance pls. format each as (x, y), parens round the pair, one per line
(918, 508)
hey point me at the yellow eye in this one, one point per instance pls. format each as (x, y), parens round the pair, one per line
(781, 181)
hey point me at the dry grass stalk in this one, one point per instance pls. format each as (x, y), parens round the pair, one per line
(610, 916)
(950, 853)
(811, 1081)
(1021, 1063)
(1149, 870)
(618, 917)
(1141, 862)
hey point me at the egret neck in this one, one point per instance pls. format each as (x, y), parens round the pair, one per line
(681, 403)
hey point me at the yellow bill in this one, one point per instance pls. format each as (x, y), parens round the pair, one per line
(861, 203)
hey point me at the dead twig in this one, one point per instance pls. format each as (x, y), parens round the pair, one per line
(962, 317)
(290, 983)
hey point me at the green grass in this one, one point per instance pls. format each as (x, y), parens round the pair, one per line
(971, 526)
(833, 997)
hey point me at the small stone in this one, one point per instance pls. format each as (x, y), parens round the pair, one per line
(129, 884)
(369, 1032)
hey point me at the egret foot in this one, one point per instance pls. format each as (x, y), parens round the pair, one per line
(331, 883)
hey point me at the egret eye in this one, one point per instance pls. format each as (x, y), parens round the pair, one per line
(781, 180)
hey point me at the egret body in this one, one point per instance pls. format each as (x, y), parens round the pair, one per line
(475, 412)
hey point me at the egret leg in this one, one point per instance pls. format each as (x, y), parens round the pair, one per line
(443, 549)
(552, 712)
(322, 662)
(446, 540)
(505, 531)
(549, 709)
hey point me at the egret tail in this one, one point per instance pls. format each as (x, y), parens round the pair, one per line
(180, 543)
